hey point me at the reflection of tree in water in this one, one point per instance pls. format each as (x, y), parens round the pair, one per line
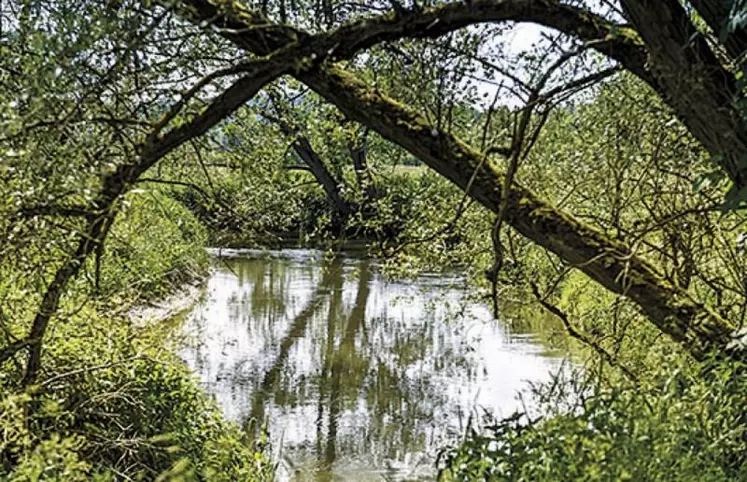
(384, 362)
(331, 282)
(355, 374)
(270, 287)
(403, 393)
(342, 368)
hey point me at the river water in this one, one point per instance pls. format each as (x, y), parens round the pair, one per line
(358, 378)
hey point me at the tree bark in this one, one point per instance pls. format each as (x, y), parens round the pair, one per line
(692, 81)
(358, 147)
(305, 151)
(308, 155)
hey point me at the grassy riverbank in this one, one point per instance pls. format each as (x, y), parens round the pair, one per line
(114, 403)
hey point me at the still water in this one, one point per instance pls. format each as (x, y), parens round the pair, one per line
(359, 378)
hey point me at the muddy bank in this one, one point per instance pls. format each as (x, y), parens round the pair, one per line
(181, 299)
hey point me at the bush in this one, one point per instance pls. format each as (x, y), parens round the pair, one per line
(138, 417)
(693, 427)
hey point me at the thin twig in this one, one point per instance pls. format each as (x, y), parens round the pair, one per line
(578, 335)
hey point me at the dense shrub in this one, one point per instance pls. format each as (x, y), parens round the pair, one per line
(138, 417)
(155, 244)
(691, 427)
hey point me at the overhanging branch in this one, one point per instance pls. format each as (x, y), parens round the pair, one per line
(608, 261)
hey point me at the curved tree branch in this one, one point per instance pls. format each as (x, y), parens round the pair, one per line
(608, 261)
(117, 183)
(662, 48)
(252, 31)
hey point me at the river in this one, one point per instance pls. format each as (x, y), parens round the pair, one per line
(358, 378)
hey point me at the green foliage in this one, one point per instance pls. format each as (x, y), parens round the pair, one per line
(155, 244)
(52, 459)
(432, 226)
(82, 87)
(634, 171)
(112, 402)
(689, 428)
(136, 416)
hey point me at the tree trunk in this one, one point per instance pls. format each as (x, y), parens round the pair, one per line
(358, 147)
(306, 153)
(303, 149)
(692, 81)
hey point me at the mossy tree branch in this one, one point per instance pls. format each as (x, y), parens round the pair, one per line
(661, 46)
(608, 261)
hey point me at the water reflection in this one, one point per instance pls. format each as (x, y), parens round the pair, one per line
(358, 378)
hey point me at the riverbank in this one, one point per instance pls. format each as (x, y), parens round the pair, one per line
(289, 240)
(181, 299)
(111, 401)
